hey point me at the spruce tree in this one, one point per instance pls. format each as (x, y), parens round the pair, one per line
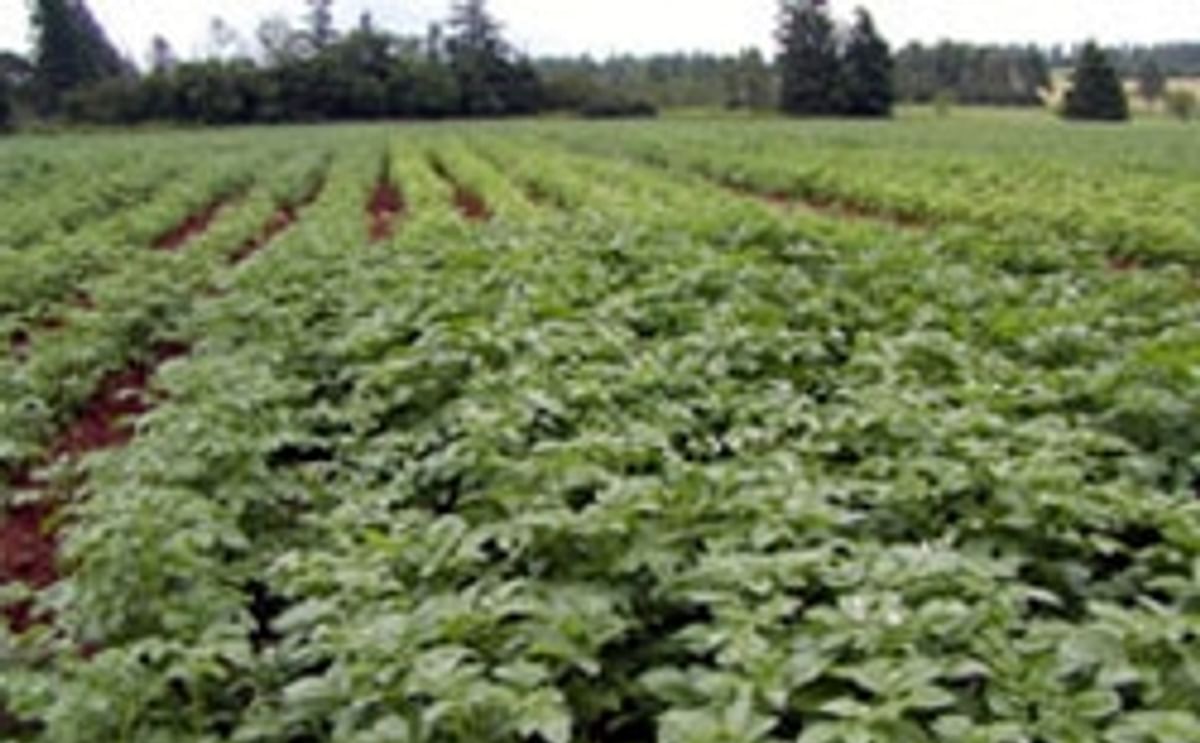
(6, 106)
(808, 59)
(477, 55)
(1096, 93)
(866, 74)
(101, 58)
(71, 50)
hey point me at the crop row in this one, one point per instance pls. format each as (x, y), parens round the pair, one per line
(1148, 216)
(638, 458)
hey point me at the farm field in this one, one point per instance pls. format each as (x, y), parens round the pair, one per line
(679, 431)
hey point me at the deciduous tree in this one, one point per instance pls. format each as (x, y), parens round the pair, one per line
(162, 56)
(1152, 82)
(320, 23)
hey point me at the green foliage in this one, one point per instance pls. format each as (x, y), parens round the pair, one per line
(985, 75)
(71, 49)
(821, 75)
(664, 80)
(808, 59)
(1182, 104)
(6, 106)
(319, 75)
(638, 459)
(491, 81)
(614, 106)
(943, 104)
(749, 82)
(1096, 92)
(866, 84)
(1152, 82)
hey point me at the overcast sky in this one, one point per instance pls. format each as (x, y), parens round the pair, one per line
(604, 26)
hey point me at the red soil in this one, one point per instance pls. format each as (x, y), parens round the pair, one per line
(28, 548)
(471, 205)
(27, 555)
(194, 225)
(282, 219)
(18, 343)
(831, 207)
(104, 421)
(385, 205)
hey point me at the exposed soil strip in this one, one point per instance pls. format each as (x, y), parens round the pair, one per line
(536, 193)
(469, 204)
(20, 340)
(279, 222)
(28, 533)
(829, 207)
(385, 205)
(283, 218)
(106, 420)
(194, 225)
(28, 547)
(174, 239)
(823, 205)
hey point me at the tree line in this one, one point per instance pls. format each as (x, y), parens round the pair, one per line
(316, 72)
(465, 67)
(945, 72)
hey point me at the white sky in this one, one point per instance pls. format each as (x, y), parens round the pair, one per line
(604, 26)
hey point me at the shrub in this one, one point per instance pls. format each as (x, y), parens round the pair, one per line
(943, 103)
(616, 107)
(1182, 104)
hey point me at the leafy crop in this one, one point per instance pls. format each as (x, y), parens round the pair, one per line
(638, 459)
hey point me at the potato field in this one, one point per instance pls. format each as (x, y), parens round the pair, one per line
(680, 431)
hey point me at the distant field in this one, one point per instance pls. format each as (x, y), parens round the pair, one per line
(1062, 83)
(690, 431)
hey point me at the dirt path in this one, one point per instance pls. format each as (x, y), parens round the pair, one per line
(385, 206)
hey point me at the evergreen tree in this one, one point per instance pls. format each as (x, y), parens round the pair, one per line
(1096, 93)
(1152, 83)
(100, 55)
(867, 67)
(71, 50)
(320, 23)
(808, 59)
(6, 106)
(477, 55)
